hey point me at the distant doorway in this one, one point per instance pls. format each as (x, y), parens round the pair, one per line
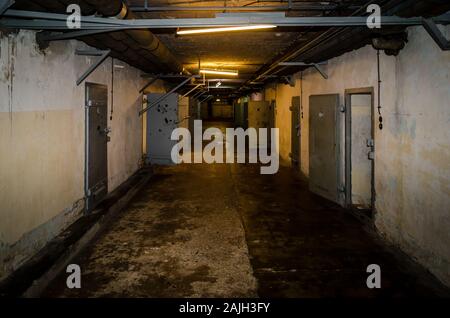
(359, 150)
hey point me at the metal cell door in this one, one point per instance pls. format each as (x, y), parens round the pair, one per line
(96, 178)
(295, 131)
(162, 119)
(324, 145)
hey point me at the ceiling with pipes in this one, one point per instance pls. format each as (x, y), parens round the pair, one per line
(247, 52)
(254, 54)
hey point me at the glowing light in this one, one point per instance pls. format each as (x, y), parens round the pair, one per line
(220, 72)
(227, 29)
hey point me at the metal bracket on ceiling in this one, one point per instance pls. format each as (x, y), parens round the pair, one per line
(168, 75)
(197, 86)
(198, 94)
(5, 4)
(437, 35)
(103, 55)
(148, 84)
(206, 98)
(315, 65)
(57, 22)
(289, 80)
(47, 36)
(193, 89)
(321, 71)
(173, 90)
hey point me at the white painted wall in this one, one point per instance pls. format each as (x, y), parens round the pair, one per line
(42, 139)
(412, 157)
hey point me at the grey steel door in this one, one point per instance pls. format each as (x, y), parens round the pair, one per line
(295, 131)
(162, 119)
(96, 178)
(323, 145)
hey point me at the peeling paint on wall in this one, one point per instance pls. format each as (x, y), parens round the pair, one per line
(42, 139)
(14, 255)
(412, 152)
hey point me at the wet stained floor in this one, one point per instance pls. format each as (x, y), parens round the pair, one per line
(225, 230)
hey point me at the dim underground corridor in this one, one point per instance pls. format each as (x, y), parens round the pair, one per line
(97, 96)
(221, 230)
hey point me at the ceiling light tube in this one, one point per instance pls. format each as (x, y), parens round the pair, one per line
(219, 72)
(227, 29)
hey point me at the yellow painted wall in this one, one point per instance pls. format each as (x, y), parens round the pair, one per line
(282, 94)
(42, 139)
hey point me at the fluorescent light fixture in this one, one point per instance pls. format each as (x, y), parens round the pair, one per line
(227, 29)
(219, 72)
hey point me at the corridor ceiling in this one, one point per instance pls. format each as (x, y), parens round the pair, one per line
(251, 53)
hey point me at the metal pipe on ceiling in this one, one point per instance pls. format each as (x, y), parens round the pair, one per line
(137, 25)
(295, 7)
(106, 41)
(146, 40)
(303, 48)
(139, 48)
(5, 4)
(401, 7)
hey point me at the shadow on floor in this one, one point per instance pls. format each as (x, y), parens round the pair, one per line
(225, 230)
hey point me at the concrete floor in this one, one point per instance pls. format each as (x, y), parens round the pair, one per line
(226, 231)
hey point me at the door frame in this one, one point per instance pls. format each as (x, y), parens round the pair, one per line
(88, 208)
(348, 143)
(295, 117)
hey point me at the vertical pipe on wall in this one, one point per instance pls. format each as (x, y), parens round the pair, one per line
(380, 118)
(112, 89)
